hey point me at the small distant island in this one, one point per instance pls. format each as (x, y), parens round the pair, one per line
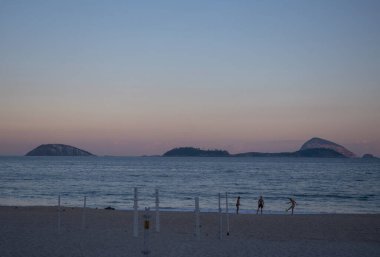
(315, 147)
(195, 152)
(369, 156)
(58, 150)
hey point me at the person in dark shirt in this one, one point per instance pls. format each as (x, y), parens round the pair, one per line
(260, 205)
(293, 204)
(237, 205)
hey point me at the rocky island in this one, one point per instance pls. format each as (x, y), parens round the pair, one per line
(58, 150)
(317, 142)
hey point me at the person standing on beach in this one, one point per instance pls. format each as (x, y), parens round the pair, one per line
(260, 205)
(237, 205)
(293, 204)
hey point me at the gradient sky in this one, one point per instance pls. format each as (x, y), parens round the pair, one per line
(141, 77)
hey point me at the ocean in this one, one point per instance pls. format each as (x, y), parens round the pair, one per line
(319, 185)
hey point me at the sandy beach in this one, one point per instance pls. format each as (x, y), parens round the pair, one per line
(33, 231)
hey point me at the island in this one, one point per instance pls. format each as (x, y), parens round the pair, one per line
(58, 150)
(369, 156)
(317, 142)
(315, 147)
(195, 152)
(316, 152)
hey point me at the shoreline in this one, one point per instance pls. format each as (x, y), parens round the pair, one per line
(33, 231)
(202, 210)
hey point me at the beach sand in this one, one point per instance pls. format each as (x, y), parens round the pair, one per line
(33, 231)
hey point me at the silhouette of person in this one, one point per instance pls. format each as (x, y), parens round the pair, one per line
(260, 205)
(237, 205)
(293, 204)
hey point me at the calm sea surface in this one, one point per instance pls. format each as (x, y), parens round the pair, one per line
(318, 185)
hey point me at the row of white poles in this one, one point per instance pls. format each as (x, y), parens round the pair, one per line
(157, 210)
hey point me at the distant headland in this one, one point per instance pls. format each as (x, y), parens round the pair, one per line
(315, 147)
(58, 150)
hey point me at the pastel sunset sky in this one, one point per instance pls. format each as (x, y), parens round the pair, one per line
(142, 77)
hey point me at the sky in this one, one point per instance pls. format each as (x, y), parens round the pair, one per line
(142, 77)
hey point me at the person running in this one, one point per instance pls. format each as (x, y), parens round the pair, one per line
(293, 204)
(260, 205)
(237, 205)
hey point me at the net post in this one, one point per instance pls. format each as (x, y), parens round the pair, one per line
(220, 217)
(59, 214)
(135, 214)
(197, 223)
(84, 212)
(146, 250)
(227, 216)
(157, 211)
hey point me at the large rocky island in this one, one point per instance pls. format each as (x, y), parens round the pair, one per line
(325, 144)
(315, 147)
(58, 150)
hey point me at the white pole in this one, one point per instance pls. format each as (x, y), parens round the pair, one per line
(136, 215)
(157, 212)
(220, 218)
(227, 217)
(84, 213)
(59, 213)
(197, 225)
(146, 250)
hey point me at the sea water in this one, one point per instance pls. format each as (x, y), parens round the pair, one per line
(319, 185)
